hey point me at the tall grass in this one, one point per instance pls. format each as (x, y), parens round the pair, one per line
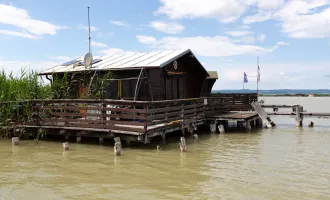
(17, 92)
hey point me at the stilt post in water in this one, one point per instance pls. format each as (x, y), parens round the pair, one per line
(182, 143)
(117, 147)
(299, 116)
(248, 126)
(221, 128)
(66, 146)
(78, 138)
(163, 138)
(213, 127)
(101, 140)
(15, 141)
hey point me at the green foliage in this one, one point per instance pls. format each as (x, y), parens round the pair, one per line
(16, 93)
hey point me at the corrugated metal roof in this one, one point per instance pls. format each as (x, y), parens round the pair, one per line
(127, 60)
(213, 74)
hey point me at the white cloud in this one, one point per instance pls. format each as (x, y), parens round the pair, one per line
(16, 66)
(273, 75)
(98, 44)
(204, 46)
(315, 25)
(238, 33)
(250, 39)
(146, 39)
(93, 28)
(299, 18)
(269, 4)
(262, 37)
(167, 27)
(114, 51)
(20, 18)
(259, 17)
(101, 34)
(18, 34)
(119, 23)
(244, 27)
(224, 10)
(281, 43)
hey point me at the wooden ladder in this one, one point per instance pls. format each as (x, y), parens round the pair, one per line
(262, 114)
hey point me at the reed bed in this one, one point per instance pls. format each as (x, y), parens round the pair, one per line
(17, 92)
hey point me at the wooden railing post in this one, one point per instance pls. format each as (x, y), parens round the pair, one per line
(104, 112)
(146, 107)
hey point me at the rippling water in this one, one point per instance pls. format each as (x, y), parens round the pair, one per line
(281, 163)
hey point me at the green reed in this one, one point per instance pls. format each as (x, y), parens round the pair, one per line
(16, 93)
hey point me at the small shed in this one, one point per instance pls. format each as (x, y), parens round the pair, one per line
(162, 75)
(209, 83)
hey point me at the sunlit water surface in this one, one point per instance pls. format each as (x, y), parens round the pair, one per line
(281, 163)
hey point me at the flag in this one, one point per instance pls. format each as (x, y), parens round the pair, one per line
(245, 78)
(258, 73)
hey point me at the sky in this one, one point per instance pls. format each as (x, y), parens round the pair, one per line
(290, 37)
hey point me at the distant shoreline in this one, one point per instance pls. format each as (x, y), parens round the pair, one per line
(294, 95)
(282, 92)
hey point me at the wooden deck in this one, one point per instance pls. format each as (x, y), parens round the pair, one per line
(145, 119)
(239, 116)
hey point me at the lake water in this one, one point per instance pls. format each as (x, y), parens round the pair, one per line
(282, 163)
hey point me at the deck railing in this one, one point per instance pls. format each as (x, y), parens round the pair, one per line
(238, 101)
(123, 116)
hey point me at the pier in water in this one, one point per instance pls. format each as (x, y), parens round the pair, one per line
(287, 162)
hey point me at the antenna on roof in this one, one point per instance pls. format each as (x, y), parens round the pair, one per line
(88, 57)
(89, 33)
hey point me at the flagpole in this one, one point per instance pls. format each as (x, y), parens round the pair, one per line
(258, 76)
(243, 80)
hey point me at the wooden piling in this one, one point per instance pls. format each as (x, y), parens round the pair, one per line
(101, 140)
(78, 138)
(67, 137)
(117, 147)
(299, 116)
(15, 141)
(248, 126)
(163, 138)
(66, 146)
(221, 128)
(213, 127)
(183, 147)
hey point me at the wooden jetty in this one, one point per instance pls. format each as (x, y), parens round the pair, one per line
(297, 111)
(137, 121)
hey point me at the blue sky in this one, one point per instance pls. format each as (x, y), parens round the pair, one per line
(290, 37)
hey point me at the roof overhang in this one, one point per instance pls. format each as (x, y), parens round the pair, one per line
(128, 61)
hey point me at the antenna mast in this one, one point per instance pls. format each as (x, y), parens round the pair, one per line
(89, 33)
